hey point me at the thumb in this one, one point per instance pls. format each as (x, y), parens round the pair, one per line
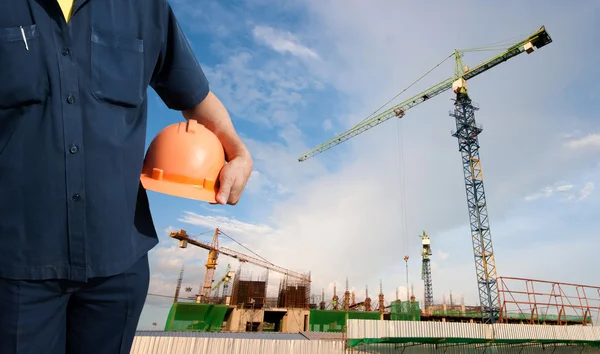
(225, 185)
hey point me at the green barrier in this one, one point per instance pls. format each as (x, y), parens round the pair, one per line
(195, 317)
(405, 311)
(335, 320)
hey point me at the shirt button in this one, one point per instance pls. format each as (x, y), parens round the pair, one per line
(73, 149)
(64, 51)
(70, 99)
(76, 197)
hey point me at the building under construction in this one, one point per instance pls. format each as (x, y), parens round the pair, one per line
(248, 293)
(293, 293)
(248, 309)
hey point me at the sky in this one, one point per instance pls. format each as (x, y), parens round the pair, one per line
(294, 74)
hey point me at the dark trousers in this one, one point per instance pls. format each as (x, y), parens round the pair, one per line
(58, 317)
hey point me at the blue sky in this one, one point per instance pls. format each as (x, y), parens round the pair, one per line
(292, 74)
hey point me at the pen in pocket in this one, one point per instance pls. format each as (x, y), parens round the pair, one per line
(24, 38)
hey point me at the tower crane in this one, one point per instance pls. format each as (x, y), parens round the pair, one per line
(426, 270)
(225, 280)
(213, 253)
(467, 132)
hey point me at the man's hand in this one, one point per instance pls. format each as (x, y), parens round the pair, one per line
(235, 174)
(233, 178)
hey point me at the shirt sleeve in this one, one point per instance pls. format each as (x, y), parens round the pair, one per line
(178, 78)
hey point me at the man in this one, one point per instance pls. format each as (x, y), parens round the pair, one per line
(75, 225)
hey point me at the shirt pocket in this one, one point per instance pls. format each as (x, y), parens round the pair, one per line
(117, 72)
(23, 77)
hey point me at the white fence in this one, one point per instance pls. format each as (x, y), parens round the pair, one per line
(195, 345)
(358, 329)
(272, 343)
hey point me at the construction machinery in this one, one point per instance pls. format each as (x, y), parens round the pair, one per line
(467, 132)
(426, 270)
(225, 280)
(213, 253)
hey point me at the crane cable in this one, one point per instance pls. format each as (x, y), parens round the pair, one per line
(402, 201)
(249, 250)
(232, 239)
(499, 45)
(401, 92)
(200, 234)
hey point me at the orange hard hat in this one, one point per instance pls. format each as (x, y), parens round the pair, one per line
(184, 160)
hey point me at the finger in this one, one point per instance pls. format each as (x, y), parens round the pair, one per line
(235, 193)
(226, 182)
(237, 190)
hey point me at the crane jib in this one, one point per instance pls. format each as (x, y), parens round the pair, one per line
(539, 39)
(182, 236)
(397, 111)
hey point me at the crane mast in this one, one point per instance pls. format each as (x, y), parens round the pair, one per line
(211, 264)
(426, 270)
(467, 132)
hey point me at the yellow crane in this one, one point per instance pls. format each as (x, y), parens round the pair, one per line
(213, 253)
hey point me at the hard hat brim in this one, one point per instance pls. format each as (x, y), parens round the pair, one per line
(187, 191)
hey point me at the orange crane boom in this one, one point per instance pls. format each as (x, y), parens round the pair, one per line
(213, 252)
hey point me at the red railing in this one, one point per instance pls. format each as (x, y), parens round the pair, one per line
(539, 301)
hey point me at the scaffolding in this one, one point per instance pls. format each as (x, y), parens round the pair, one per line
(248, 293)
(293, 293)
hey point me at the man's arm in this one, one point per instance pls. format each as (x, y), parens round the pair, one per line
(212, 114)
(177, 78)
(233, 178)
(180, 82)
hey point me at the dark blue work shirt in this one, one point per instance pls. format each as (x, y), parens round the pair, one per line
(73, 111)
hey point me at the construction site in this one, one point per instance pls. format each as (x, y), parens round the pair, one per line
(512, 315)
(239, 303)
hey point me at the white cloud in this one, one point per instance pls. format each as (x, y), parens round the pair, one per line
(586, 190)
(442, 255)
(225, 224)
(169, 229)
(564, 189)
(590, 141)
(267, 93)
(550, 191)
(282, 42)
(256, 183)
